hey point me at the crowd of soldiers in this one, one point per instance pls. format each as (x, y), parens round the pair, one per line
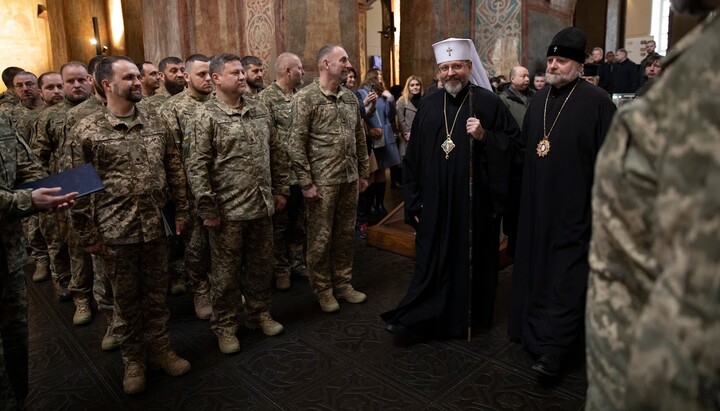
(198, 161)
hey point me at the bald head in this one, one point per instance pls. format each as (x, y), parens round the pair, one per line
(289, 71)
(520, 78)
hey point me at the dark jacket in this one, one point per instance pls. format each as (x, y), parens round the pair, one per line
(625, 78)
(517, 102)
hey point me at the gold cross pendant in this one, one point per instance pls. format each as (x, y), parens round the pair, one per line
(447, 147)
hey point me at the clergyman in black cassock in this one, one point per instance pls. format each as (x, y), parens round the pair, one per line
(564, 127)
(436, 190)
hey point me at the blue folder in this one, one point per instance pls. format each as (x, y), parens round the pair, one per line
(83, 179)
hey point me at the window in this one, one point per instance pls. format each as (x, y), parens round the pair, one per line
(660, 24)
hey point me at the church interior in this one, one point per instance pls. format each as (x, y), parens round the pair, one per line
(326, 362)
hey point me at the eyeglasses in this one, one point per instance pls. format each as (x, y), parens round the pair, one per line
(455, 66)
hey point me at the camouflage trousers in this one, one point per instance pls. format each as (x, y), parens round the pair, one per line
(138, 274)
(102, 287)
(244, 249)
(197, 257)
(13, 337)
(289, 235)
(54, 244)
(330, 222)
(35, 240)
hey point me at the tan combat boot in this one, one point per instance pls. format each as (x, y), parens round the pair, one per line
(283, 282)
(83, 313)
(203, 308)
(42, 272)
(177, 286)
(109, 342)
(229, 344)
(265, 322)
(328, 303)
(350, 295)
(170, 362)
(134, 380)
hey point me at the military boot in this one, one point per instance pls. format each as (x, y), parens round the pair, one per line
(282, 282)
(177, 286)
(170, 362)
(83, 313)
(328, 303)
(134, 380)
(265, 322)
(203, 309)
(350, 295)
(109, 342)
(42, 272)
(229, 344)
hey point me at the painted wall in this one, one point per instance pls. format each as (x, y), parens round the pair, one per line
(24, 37)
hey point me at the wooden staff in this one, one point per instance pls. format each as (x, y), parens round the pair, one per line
(470, 215)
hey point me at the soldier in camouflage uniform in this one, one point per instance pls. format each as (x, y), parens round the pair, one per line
(237, 169)
(288, 224)
(8, 98)
(16, 167)
(329, 156)
(174, 82)
(57, 229)
(123, 224)
(176, 113)
(26, 88)
(101, 288)
(653, 304)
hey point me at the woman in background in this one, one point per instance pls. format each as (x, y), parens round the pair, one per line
(406, 108)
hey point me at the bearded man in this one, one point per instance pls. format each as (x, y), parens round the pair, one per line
(564, 128)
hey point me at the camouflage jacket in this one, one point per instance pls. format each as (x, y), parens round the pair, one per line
(14, 112)
(280, 105)
(48, 134)
(176, 113)
(90, 106)
(327, 141)
(8, 99)
(653, 304)
(137, 164)
(152, 104)
(17, 166)
(26, 123)
(236, 161)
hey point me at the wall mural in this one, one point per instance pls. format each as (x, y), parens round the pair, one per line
(260, 23)
(22, 37)
(498, 34)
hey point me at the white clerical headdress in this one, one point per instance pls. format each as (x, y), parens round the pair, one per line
(462, 49)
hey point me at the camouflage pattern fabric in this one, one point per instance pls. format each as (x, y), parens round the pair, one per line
(138, 273)
(152, 104)
(331, 226)
(653, 306)
(236, 162)
(242, 258)
(16, 166)
(327, 141)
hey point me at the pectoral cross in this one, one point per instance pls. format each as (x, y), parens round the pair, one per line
(555, 49)
(449, 50)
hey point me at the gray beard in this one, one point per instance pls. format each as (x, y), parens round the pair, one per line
(694, 7)
(452, 89)
(559, 80)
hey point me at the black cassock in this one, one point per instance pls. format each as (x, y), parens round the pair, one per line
(436, 191)
(547, 304)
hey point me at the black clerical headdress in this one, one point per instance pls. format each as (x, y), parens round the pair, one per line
(570, 42)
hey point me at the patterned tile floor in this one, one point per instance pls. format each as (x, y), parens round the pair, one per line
(341, 361)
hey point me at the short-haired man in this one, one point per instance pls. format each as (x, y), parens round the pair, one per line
(564, 129)
(149, 78)
(517, 96)
(603, 68)
(330, 159)
(625, 75)
(650, 52)
(173, 74)
(255, 70)
(177, 113)
(122, 225)
(26, 88)
(288, 227)
(51, 93)
(539, 81)
(237, 169)
(57, 228)
(16, 167)
(8, 97)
